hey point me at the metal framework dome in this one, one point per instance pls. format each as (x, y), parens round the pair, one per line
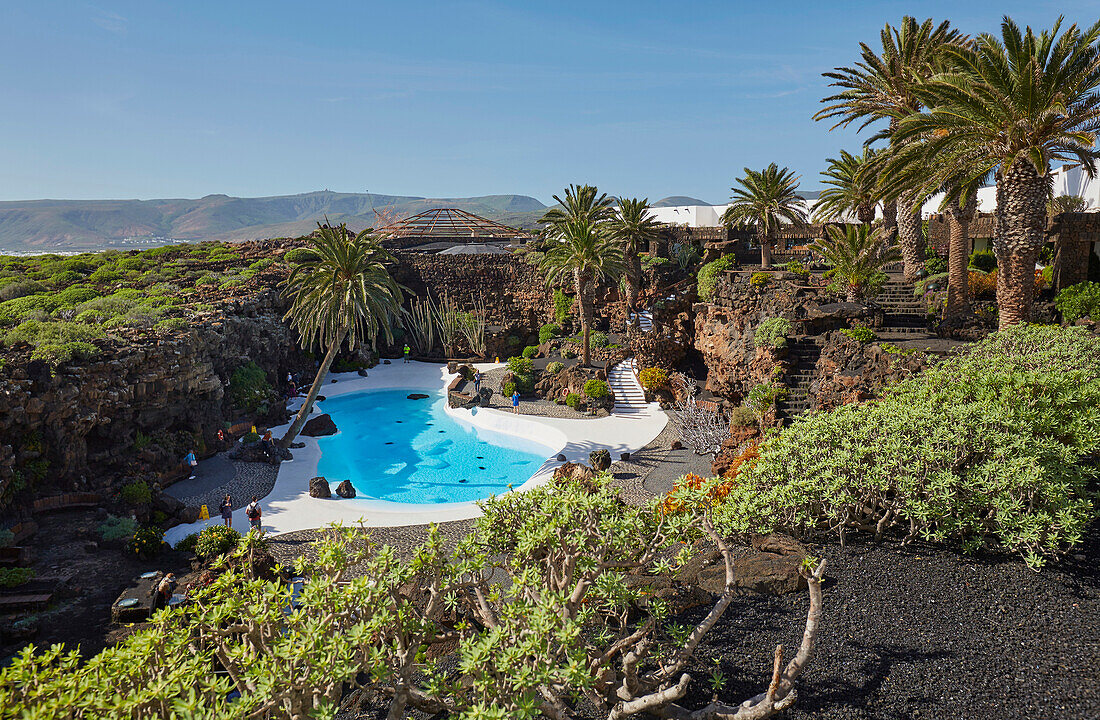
(450, 223)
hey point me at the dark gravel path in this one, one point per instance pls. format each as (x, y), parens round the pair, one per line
(925, 633)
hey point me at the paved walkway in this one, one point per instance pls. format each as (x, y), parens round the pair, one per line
(289, 507)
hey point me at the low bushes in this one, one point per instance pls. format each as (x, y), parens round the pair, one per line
(598, 339)
(862, 334)
(1079, 301)
(555, 367)
(983, 260)
(548, 332)
(653, 378)
(137, 493)
(215, 540)
(984, 449)
(574, 401)
(530, 352)
(707, 277)
(772, 332)
(596, 389)
(56, 342)
(249, 388)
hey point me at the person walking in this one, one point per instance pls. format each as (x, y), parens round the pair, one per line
(189, 463)
(226, 509)
(515, 401)
(165, 590)
(477, 381)
(407, 351)
(253, 513)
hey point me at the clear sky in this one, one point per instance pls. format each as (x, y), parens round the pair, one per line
(152, 99)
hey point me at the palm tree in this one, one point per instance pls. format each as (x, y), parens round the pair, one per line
(581, 201)
(883, 86)
(583, 251)
(852, 182)
(764, 200)
(341, 292)
(1009, 106)
(857, 253)
(634, 227)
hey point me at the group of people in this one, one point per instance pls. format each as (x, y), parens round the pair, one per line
(252, 511)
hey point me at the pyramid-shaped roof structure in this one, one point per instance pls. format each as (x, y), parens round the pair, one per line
(449, 223)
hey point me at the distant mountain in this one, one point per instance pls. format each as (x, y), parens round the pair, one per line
(46, 225)
(676, 200)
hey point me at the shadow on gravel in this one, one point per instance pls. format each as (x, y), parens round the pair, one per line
(869, 667)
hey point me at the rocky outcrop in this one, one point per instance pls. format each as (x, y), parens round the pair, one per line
(600, 459)
(319, 426)
(345, 489)
(770, 567)
(849, 371)
(318, 488)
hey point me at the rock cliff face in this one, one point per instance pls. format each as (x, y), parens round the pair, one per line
(850, 371)
(138, 406)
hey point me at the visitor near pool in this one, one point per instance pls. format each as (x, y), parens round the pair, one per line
(226, 509)
(477, 381)
(253, 513)
(515, 401)
(407, 351)
(190, 462)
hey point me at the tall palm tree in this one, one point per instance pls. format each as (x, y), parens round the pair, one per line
(852, 182)
(765, 199)
(580, 201)
(883, 86)
(634, 227)
(583, 251)
(857, 253)
(1009, 106)
(343, 291)
(961, 208)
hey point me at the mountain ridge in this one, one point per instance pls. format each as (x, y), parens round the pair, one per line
(45, 225)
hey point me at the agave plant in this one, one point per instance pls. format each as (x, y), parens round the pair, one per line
(419, 322)
(858, 254)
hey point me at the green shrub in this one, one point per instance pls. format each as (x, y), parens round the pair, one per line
(250, 437)
(760, 279)
(741, 416)
(509, 388)
(29, 307)
(117, 528)
(248, 387)
(172, 324)
(598, 339)
(862, 334)
(75, 295)
(921, 287)
(707, 277)
(146, 542)
(772, 332)
(796, 267)
(652, 378)
(20, 288)
(521, 365)
(208, 279)
(596, 389)
(137, 493)
(555, 367)
(762, 398)
(568, 353)
(530, 351)
(985, 448)
(574, 401)
(984, 260)
(188, 543)
(55, 342)
(13, 577)
(215, 540)
(547, 332)
(1078, 301)
(298, 255)
(652, 260)
(935, 265)
(563, 306)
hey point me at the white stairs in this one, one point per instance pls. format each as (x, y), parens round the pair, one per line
(629, 396)
(645, 320)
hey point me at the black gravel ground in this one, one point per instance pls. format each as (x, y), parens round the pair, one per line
(922, 632)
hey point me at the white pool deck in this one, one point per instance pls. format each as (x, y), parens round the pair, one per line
(289, 507)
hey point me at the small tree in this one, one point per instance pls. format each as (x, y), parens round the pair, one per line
(858, 254)
(765, 200)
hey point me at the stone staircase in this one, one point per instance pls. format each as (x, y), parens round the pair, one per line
(645, 320)
(904, 313)
(804, 353)
(629, 396)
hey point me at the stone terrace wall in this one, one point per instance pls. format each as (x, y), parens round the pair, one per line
(513, 290)
(83, 419)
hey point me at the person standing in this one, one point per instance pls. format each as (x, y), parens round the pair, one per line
(515, 401)
(477, 381)
(165, 590)
(292, 390)
(407, 351)
(226, 509)
(253, 513)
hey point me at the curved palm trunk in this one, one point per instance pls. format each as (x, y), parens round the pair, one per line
(910, 236)
(890, 218)
(958, 254)
(303, 413)
(580, 281)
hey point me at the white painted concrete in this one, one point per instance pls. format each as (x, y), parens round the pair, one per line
(288, 507)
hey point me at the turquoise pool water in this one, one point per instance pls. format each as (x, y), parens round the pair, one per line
(411, 451)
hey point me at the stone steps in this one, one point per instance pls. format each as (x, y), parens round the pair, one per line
(622, 381)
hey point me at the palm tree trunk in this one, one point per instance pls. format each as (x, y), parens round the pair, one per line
(766, 252)
(890, 218)
(585, 312)
(865, 213)
(1019, 236)
(958, 254)
(910, 236)
(633, 277)
(303, 412)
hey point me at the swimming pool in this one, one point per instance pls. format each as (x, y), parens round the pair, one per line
(411, 451)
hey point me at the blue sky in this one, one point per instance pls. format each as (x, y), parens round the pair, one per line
(154, 99)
